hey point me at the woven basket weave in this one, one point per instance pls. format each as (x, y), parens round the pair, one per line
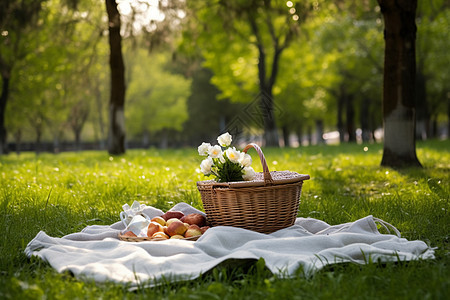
(266, 204)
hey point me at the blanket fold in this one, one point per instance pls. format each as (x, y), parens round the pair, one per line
(96, 252)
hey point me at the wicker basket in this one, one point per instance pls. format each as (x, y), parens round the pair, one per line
(266, 204)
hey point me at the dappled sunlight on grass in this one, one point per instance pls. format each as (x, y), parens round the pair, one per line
(346, 181)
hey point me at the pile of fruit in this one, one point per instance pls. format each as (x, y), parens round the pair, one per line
(175, 225)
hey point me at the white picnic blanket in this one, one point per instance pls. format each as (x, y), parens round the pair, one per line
(96, 252)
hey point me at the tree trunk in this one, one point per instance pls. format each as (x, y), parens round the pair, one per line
(98, 98)
(319, 132)
(116, 139)
(350, 118)
(310, 138)
(422, 111)
(286, 136)
(299, 135)
(164, 140)
(18, 140)
(38, 141)
(340, 122)
(399, 82)
(56, 148)
(266, 101)
(268, 118)
(448, 118)
(3, 101)
(266, 84)
(77, 139)
(364, 119)
(145, 139)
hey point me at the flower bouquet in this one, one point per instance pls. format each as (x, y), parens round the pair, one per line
(224, 162)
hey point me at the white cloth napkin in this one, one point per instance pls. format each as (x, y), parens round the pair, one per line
(96, 252)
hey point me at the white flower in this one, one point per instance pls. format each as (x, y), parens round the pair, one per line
(249, 173)
(215, 151)
(203, 149)
(224, 140)
(245, 160)
(233, 155)
(206, 165)
(222, 159)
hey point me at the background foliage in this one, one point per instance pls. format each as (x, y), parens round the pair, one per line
(188, 64)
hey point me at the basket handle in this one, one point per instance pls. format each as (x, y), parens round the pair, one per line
(267, 177)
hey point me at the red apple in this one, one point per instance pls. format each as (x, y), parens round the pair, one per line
(160, 235)
(168, 222)
(154, 227)
(195, 218)
(165, 230)
(172, 214)
(159, 220)
(203, 229)
(129, 233)
(192, 231)
(177, 236)
(176, 227)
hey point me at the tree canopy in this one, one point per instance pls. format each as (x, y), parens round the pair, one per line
(308, 66)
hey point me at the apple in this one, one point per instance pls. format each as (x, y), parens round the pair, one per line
(203, 229)
(165, 230)
(195, 218)
(154, 227)
(159, 220)
(172, 214)
(168, 222)
(177, 236)
(129, 233)
(176, 227)
(160, 235)
(192, 231)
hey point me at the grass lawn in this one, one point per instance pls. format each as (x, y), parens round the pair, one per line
(62, 194)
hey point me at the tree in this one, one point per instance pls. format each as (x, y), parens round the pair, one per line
(116, 139)
(78, 116)
(433, 59)
(301, 89)
(300, 93)
(16, 19)
(243, 42)
(399, 82)
(55, 75)
(349, 34)
(207, 114)
(155, 108)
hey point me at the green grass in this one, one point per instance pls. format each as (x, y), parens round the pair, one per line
(61, 194)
